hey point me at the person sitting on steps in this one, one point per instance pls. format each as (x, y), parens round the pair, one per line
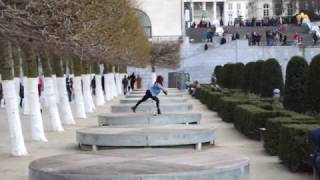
(152, 93)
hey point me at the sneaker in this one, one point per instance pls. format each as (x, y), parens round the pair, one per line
(133, 109)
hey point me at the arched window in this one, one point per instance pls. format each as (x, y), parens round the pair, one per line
(145, 22)
(290, 9)
(266, 10)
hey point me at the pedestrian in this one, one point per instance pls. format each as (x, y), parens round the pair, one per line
(125, 83)
(152, 93)
(139, 82)
(1, 96)
(21, 94)
(206, 47)
(93, 86)
(132, 81)
(315, 38)
(69, 85)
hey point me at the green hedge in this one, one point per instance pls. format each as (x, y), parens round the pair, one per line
(294, 147)
(227, 105)
(271, 136)
(249, 118)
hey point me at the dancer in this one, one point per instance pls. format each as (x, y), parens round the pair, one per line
(152, 93)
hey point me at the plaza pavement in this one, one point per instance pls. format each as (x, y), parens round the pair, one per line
(262, 166)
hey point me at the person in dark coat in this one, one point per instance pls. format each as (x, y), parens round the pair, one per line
(125, 83)
(1, 94)
(132, 81)
(102, 84)
(314, 137)
(21, 94)
(69, 84)
(93, 85)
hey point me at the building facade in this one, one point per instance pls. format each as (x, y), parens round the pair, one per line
(215, 10)
(162, 19)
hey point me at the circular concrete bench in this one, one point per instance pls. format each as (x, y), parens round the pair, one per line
(162, 100)
(145, 136)
(151, 108)
(150, 119)
(182, 166)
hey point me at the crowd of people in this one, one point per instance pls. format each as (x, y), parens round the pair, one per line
(128, 83)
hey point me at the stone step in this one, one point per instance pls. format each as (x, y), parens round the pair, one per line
(151, 108)
(150, 119)
(162, 100)
(180, 166)
(145, 136)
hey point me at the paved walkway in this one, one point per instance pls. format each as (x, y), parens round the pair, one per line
(263, 167)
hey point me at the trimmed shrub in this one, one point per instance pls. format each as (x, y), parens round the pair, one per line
(256, 77)
(248, 76)
(271, 136)
(227, 106)
(226, 74)
(217, 73)
(295, 93)
(294, 147)
(314, 85)
(237, 76)
(271, 78)
(249, 118)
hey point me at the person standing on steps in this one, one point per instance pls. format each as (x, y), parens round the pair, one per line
(152, 93)
(125, 83)
(132, 81)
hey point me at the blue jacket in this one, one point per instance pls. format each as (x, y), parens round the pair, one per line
(156, 89)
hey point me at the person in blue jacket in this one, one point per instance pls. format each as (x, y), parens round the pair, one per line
(314, 136)
(152, 93)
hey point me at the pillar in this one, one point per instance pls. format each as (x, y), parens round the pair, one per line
(215, 11)
(192, 12)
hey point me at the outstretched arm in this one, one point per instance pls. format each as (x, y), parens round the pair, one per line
(162, 89)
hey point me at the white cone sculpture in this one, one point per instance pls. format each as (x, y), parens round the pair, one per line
(79, 102)
(18, 147)
(35, 111)
(99, 93)
(50, 97)
(65, 109)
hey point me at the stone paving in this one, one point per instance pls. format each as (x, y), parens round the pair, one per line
(229, 141)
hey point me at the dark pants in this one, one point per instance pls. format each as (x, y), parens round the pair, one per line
(146, 97)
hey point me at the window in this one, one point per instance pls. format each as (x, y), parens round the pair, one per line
(266, 10)
(290, 10)
(238, 6)
(230, 7)
(145, 22)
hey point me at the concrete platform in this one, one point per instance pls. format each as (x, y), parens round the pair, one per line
(162, 100)
(145, 136)
(160, 95)
(151, 108)
(183, 166)
(148, 119)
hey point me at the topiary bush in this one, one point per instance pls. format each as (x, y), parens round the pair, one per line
(271, 135)
(295, 93)
(227, 105)
(294, 147)
(226, 75)
(256, 77)
(217, 73)
(237, 75)
(271, 78)
(249, 118)
(248, 75)
(313, 86)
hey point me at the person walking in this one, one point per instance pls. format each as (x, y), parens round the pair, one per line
(21, 94)
(152, 93)
(1, 96)
(125, 83)
(315, 38)
(132, 81)
(69, 84)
